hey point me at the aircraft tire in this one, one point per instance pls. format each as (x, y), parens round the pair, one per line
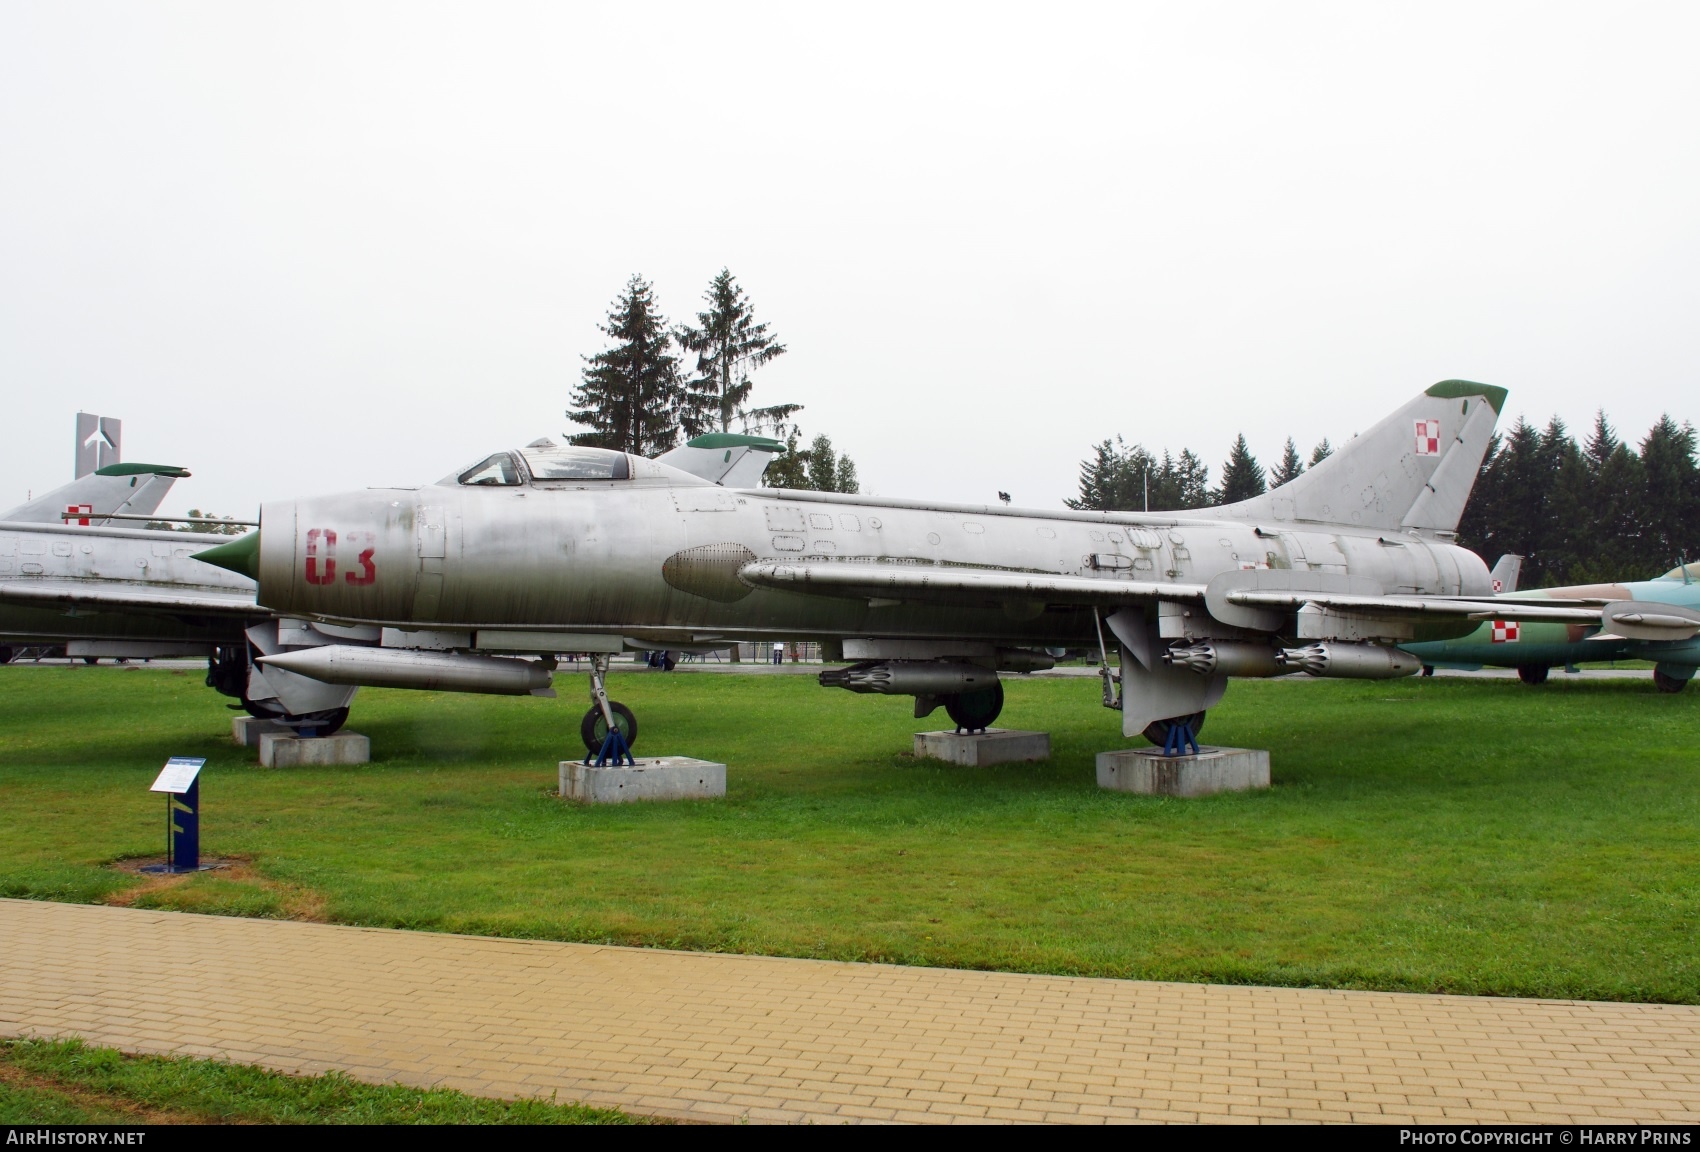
(5, 655)
(1158, 730)
(1668, 683)
(593, 729)
(1532, 674)
(1428, 669)
(975, 711)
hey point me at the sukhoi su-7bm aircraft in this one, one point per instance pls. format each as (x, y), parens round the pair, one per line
(476, 582)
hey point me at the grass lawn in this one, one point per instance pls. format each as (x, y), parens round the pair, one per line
(1443, 835)
(64, 1082)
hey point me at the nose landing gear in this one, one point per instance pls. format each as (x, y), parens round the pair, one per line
(609, 729)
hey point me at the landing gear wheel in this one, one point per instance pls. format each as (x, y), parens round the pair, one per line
(1428, 669)
(1158, 730)
(593, 729)
(5, 655)
(975, 711)
(1532, 674)
(317, 723)
(91, 659)
(1668, 683)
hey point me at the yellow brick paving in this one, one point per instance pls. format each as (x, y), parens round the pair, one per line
(716, 1037)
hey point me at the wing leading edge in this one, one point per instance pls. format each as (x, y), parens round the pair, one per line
(973, 586)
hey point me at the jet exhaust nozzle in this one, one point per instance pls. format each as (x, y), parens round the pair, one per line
(1226, 658)
(911, 678)
(1350, 661)
(410, 668)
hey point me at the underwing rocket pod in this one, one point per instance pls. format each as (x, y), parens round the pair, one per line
(1228, 657)
(911, 678)
(1350, 661)
(403, 668)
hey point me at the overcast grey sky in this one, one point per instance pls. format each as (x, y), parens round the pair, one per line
(302, 247)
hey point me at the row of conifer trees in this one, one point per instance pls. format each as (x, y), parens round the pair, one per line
(637, 396)
(1578, 513)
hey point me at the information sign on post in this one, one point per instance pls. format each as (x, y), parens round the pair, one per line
(181, 783)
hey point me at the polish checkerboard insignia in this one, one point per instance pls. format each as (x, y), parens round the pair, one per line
(1498, 585)
(1428, 437)
(1504, 631)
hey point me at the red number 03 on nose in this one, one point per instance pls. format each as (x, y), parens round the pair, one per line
(319, 557)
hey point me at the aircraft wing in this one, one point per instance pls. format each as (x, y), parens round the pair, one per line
(108, 596)
(961, 585)
(1420, 607)
(956, 585)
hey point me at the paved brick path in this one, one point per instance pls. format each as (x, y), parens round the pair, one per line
(714, 1037)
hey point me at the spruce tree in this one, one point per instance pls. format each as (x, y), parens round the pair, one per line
(1611, 528)
(1098, 479)
(1289, 468)
(1321, 452)
(818, 467)
(822, 465)
(729, 345)
(1242, 476)
(631, 394)
(1669, 498)
(1116, 479)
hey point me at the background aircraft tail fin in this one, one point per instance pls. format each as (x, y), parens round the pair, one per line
(730, 459)
(1414, 469)
(1505, 571)
(135, 489)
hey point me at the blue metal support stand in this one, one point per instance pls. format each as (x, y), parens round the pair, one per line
(614, 748)
(1179, 739)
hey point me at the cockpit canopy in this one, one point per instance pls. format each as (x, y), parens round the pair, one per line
(545, 461)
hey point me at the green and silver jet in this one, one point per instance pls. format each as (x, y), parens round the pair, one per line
(1656, 620)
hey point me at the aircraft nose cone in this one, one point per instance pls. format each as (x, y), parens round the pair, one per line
(241, 555)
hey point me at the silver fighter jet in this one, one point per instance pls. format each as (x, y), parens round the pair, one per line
(478, 581)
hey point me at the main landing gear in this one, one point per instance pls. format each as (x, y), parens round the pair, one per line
(974, 711)
(1668, 683)
(1533, 674)
(609, 729)
(1177, 734)
(227, 674)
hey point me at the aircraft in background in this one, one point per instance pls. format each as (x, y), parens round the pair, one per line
(476, 582)
(79, 568)
(1656, 620)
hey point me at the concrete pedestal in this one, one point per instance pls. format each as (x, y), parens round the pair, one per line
(247, 730)
(1148, 771)
(654, 778)
(291, 751)
(980, 749)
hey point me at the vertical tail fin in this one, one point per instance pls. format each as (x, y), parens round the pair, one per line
(1505, 572)
(1414, 469)
(137, 489)
(730, 459)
